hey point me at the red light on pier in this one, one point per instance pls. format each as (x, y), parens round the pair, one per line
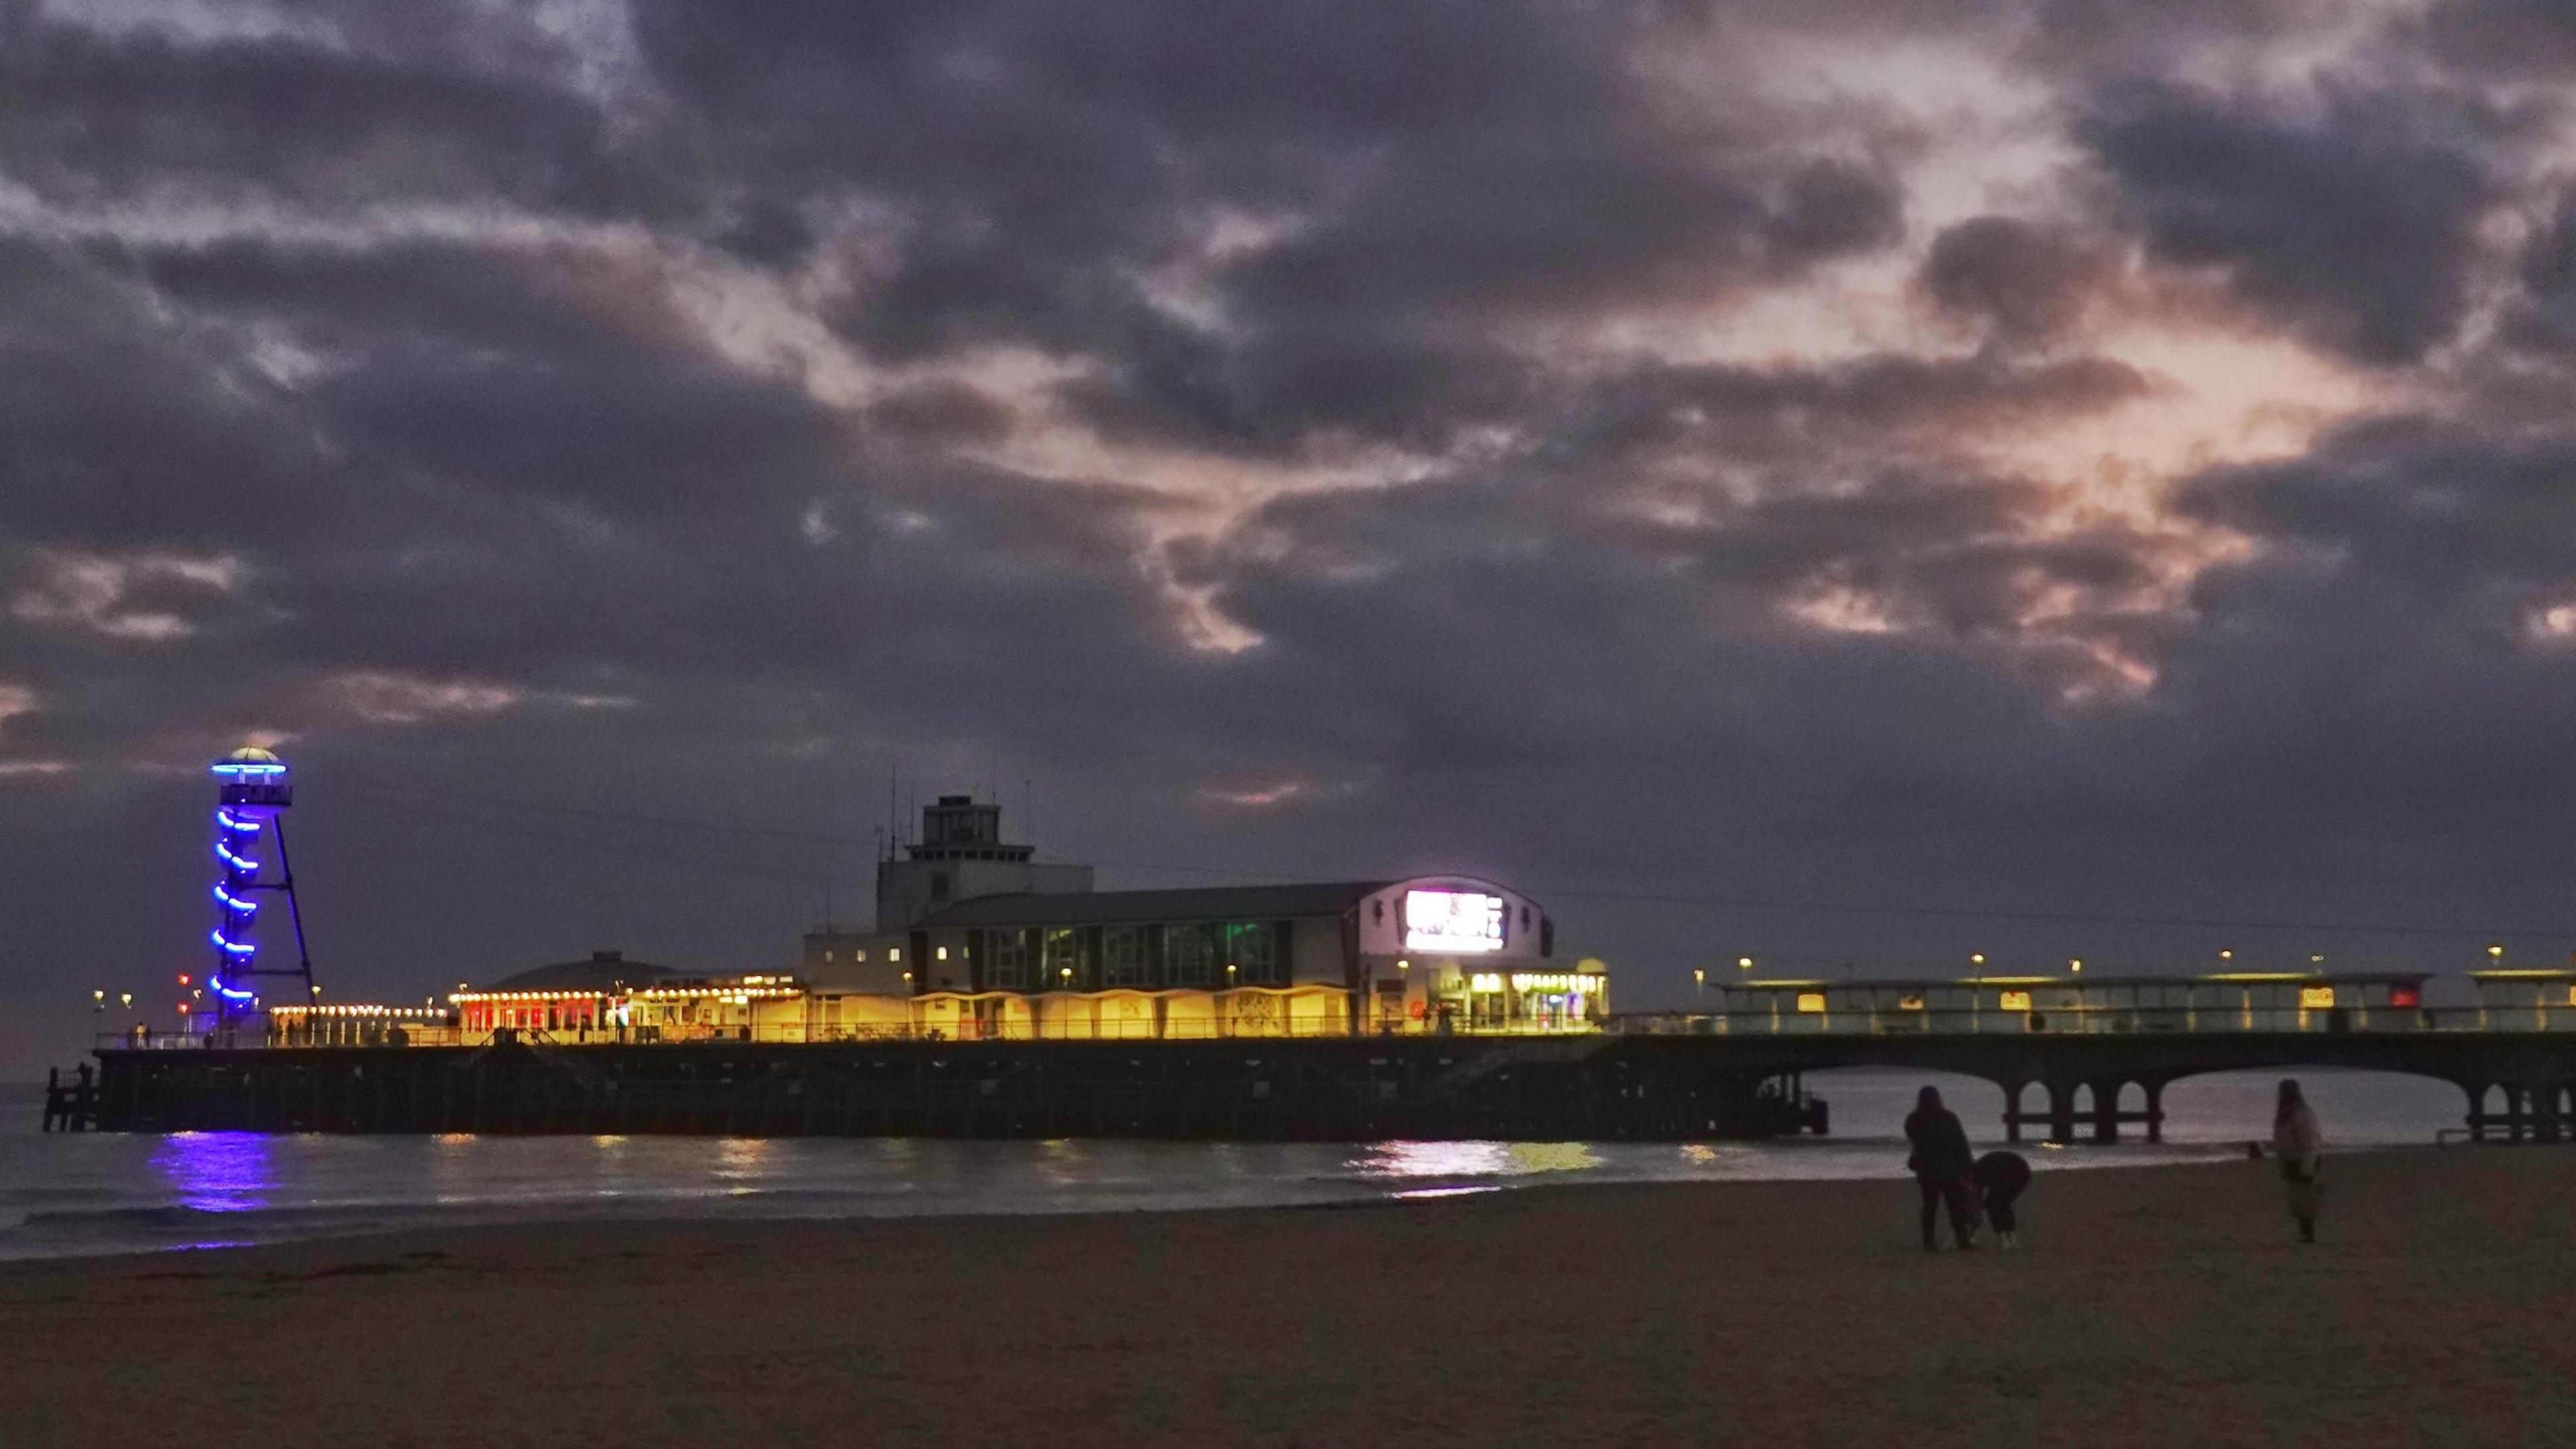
(2405, 996)
(183, 978)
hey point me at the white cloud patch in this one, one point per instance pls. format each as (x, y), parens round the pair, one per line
(136, 598)
(385, 698)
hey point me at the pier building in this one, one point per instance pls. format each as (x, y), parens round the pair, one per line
(978, 941)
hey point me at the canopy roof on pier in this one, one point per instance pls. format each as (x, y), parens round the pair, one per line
(605, 971)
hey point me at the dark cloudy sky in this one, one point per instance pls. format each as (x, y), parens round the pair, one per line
(2087, 459)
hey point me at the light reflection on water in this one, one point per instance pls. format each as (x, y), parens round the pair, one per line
(1471, 1159)
(218, 1172)
(86, 1193)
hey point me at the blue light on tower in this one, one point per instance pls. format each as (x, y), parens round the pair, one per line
(252, 793)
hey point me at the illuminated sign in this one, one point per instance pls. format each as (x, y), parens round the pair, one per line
(2315, 998)
(1452, 921)
(2016, 1001)
(1485, 981)
(1543, 981)
(1811, 1001)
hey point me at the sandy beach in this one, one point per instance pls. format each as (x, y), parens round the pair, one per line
(2152, 1306)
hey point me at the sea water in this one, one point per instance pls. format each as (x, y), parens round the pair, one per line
(86, 1193)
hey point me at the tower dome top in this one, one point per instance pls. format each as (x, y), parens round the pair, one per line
(251, 762)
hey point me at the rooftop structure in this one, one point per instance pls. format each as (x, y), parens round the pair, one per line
(961, 855)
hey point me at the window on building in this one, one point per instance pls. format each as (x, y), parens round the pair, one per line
(1189, 957)
(1063, 954)
(1008, 967)
(894, 953)
(1254, 951)
(860, 956)
(1122, 949)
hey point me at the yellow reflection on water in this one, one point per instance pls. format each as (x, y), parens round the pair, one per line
(1552, 1157)
(741, 1161)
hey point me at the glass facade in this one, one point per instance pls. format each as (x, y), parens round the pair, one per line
(1006, 963)
(1189, 956)
(1064, 958)
(1123, 958)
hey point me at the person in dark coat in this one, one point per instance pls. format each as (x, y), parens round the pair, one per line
(1941, 1161)
(1999, 1178)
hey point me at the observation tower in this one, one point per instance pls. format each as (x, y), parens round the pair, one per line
(251, 799)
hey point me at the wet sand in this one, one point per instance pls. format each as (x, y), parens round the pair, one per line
(2153, 1306)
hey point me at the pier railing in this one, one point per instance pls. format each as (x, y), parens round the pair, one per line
(2086, 1020)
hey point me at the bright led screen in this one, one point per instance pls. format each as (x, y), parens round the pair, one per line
(1452, 921)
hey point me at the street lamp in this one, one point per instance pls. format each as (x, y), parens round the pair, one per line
(2495, 952)
(1743, 963)
(1699, 978)
(2226, 955)
(2076, 965)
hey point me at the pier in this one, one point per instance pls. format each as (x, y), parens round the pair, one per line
(1603, 1086)
(2083, 1059)
(71, 1106)
(2076, 1060)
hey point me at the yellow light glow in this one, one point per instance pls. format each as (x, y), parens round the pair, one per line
(2316, 998)
(1811, 1001)
(2016, 1001)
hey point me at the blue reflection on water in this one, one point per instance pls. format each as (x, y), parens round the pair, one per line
(219, 1172)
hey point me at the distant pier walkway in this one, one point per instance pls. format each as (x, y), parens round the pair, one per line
(2086, 1057)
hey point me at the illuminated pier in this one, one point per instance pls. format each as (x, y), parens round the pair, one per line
(1001, 996)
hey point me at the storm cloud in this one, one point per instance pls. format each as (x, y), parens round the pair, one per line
(1731, 471)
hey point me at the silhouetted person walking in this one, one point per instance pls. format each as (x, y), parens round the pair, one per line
(2299, 1141)
(1940, 1163)
(2000, 1177)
